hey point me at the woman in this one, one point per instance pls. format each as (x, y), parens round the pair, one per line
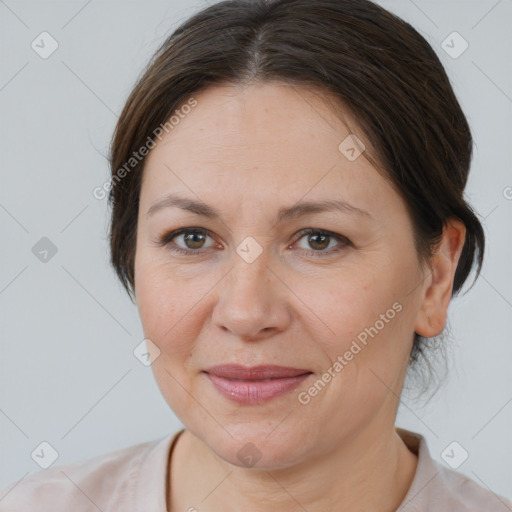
(288, 214)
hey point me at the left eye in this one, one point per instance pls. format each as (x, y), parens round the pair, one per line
(320, 240)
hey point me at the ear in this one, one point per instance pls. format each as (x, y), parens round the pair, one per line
(432, 316)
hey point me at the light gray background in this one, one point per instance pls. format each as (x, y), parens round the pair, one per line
(68, 375)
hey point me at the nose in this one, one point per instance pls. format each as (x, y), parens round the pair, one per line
(253, 301)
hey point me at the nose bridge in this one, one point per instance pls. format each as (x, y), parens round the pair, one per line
(250, 301)
(249, 286)
(250, 262)
(249, 274)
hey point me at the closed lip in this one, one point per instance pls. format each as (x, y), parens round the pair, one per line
(255, 373)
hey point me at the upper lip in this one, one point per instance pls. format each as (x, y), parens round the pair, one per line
(236, 371)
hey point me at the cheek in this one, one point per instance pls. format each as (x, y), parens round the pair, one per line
(348, 302)
(166, 310)
(165, 305)
(174, 303)
(366, 320)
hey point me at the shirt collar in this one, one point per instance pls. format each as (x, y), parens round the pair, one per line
(426, 476)
(156, 464)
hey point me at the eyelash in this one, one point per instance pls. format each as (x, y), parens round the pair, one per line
(166, 239)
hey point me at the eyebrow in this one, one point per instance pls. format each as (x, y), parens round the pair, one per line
(284, 214)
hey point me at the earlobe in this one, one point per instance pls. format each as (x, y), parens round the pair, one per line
(438, 292)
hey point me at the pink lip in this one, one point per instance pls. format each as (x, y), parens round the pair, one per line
(257, 384)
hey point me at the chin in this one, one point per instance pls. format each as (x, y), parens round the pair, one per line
(258, 445)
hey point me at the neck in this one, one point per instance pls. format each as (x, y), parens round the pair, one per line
(372, 471)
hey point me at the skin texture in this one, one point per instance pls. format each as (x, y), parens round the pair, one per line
(248, 152)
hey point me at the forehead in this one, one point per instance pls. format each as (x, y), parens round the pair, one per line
(262, 113)
(266, 140)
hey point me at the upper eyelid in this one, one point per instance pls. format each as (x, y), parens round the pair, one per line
(168, 237)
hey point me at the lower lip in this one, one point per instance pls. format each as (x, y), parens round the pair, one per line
(251, 392)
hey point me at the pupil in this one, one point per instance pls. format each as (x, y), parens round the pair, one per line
(324, 237)
(189, 238)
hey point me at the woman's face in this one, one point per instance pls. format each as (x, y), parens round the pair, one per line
(254, 290)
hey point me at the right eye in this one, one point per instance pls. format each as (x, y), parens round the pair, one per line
(192, 239)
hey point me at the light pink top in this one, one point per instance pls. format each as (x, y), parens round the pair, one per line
(134, 479)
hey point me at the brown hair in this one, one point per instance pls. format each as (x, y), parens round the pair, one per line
(374, 63)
